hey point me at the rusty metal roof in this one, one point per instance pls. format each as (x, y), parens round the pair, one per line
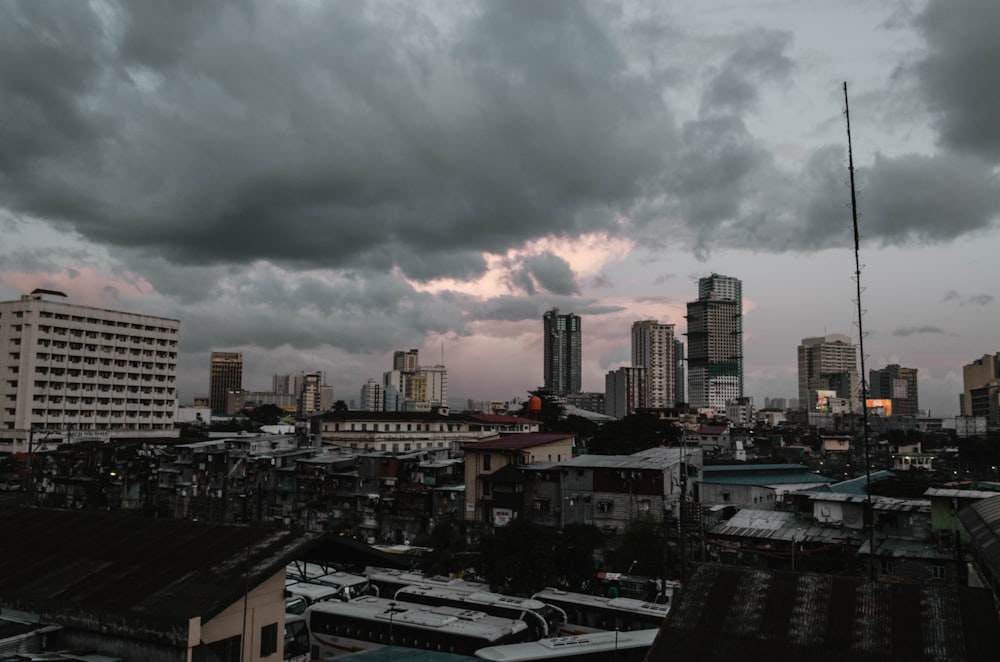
(142, 575)
(982, 521)
(730, 614)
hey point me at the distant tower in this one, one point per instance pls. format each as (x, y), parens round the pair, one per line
(680, 374)
(624, 391)
(563, 370)
(715, 343)
(898, 384)
(226, 374)
(828, 362)
(653, 349)
(407, 361)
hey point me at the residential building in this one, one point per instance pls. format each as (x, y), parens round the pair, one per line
(497, 461)
(225, 374)
(314, 395)
(653, 348)
(981, 383)
(898, 384)
(71, 370)
(715, 343)
(827, 363)
(238, 399)
(393, 432)
(372, 397)
(437, 384)
(406, 360)
(624, 391)
(592, 401)
(563, 341)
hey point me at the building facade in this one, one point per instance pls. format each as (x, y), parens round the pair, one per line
(981, 388)
(653, 349)
(898, 384)
(624, 391)
(827, 363)
(715, 343)
(225, 375)
(71, 370)
(563, 340)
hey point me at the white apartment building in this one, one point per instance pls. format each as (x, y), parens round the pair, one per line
(78, 371)
(653, 349)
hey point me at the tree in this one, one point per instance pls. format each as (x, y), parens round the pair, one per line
(521, 557)
(640, 551)
(340, 405)
(634, 433)
(577, 545)
(268, 414)
(445, 541)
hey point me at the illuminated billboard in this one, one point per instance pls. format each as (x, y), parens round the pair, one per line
(823, 400)
(879, 406)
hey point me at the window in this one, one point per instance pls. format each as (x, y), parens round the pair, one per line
(486, 462)
(937, 571)
(269, 640)
(227, 650)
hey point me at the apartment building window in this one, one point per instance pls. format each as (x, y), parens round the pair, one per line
(269, 640)
(487, 462)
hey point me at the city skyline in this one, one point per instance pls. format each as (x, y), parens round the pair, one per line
(437, 176)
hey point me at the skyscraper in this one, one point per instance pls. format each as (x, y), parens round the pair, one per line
(898, 384)
(981, 388)
(680, 374)
(407, 361)
(715, 343)
(653, 349)
(563, 356)
(226, 373)
(828, 363)
(624, 391)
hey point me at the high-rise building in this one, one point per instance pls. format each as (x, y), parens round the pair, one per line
(71, 371)
(827, 363)
(437, 384)
(898, 384)
(680, 374)
(624, 391)
(225, 374)
(563, 355)
(653, 349)
(406, 360)
(314, 395)
(715, 343)
(981, 388)
(372, 397)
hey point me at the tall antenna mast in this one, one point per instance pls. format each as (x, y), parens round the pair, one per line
(869, 512)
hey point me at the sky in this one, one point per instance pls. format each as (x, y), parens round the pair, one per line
(320, 183)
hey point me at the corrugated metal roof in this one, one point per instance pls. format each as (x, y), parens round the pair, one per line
(733, 614)
(516, 442)
(140, 573)
(982, 521)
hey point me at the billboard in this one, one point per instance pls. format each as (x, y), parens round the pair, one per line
(880, 407)
(823, 400)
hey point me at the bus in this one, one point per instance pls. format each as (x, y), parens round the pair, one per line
(596, 647)
(345, 585)
(387, 581)
(339, 628)
(542, 619)
(296, 639)
(593, 613)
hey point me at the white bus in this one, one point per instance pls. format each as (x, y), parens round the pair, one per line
(542, 619)
(387, 581)
(346, 585)
(596, 647)
(593, 613)
(339, 628)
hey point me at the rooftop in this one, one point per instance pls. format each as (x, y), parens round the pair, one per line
(516, 442)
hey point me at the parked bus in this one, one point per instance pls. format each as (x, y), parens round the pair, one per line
(296, 639)
(387, 581)
(339, 628)
(346, 585)
(593, 647)
(590, 613)
(542, 619)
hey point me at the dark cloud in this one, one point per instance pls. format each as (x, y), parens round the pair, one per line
(916, 330)
(972, 299)
(759, 56)
(552, 273)
(959, 76)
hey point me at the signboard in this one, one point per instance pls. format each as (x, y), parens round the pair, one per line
(823, 400)
(880, 407)
(502, 516)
